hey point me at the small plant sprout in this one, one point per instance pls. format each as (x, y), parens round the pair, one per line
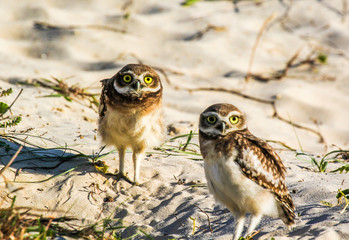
(342, 194)
(345, 195)
(251, 235)
(8, 121)
(193, 219)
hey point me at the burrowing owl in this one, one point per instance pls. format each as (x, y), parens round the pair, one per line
(130, 113)
(243, 172)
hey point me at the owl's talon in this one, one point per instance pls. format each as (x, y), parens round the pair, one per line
(135, 183)
(122, 176)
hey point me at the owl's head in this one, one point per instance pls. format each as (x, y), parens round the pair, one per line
(221, 119)
(137, 81)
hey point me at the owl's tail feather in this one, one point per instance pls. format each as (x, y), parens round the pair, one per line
(287, 207)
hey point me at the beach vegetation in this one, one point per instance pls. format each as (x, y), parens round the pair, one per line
(5, 120)
(321, 163)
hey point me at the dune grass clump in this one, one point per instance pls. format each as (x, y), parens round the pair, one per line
(19, 223)
(320, 164)
(68, 92)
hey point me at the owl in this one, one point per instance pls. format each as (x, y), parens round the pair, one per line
(130, 113)
(243, 172)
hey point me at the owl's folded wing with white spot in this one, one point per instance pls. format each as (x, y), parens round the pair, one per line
(260, 163)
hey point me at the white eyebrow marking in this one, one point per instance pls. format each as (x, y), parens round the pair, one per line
(124, 90)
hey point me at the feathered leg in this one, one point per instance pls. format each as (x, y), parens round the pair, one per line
(255, 219)
(137, 158)
(239, 226)
(121, 151)
(121, 173)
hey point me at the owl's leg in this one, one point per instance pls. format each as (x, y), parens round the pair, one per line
(121, 151)
(137, 158)
(121, 173)
(255, 219)
(239, 226)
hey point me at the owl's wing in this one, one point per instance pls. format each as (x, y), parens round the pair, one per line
(260, 163)
(102, 108)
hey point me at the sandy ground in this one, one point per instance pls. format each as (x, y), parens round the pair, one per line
(83, 42)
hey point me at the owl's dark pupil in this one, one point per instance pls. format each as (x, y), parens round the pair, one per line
(211, 119)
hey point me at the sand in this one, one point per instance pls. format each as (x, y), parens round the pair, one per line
(71, 40)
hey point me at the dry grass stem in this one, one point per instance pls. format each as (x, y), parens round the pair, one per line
(235, 92)
(68, 92)
(208, 218)
(45, 25)
(198, 35)
(260, 33)
(276, 115)
(11, 161)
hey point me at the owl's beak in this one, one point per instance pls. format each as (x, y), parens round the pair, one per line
(137, 85)
(221, 127)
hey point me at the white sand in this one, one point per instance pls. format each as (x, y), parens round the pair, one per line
(155, 34)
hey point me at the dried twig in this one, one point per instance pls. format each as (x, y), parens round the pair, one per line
(283, 16)
(11, 161)
(261, 30)
(279, 74)
(163, 73)
(45, 25)
(282, 144)
(66, 91)
(198, 35)
(126, 5)
(235, 92)
(276, 115)
(208, 217)
(250, 236)
(310, 60)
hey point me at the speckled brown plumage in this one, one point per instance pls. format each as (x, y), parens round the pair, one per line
(145, 103)
(130, 112)
(243, 171)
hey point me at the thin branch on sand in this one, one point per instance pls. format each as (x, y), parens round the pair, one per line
(45, 25)
(277, 115)
(235, 92)
(11, 161)
(261, 30)
(198, 35)
(312, 59)
(208, 217)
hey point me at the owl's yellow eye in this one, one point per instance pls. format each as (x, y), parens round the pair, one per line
(234, 119)
(127, 78)
(148, 80)
(211, 119)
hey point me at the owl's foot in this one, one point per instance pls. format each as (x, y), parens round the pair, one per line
(123, 176)
(135, 183)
